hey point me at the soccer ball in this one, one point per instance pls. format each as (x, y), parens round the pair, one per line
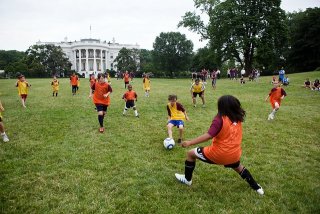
(168, 143)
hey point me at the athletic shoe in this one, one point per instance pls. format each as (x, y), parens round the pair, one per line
(194, 105)
(5, 138)
(101, 130)
(137, 116)
(203, 106)
(183, 179)
(260, 190)
(179, 141)
(270, 117)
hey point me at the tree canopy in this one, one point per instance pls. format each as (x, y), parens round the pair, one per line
(172, 53)
(236, 28)
(46, 60)
(127, 59)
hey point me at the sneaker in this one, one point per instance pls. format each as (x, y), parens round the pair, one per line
(5, 138)
(203, 106)
(137, 116)
(101, 129)
(179, 141)
(270, 117)
(260, 190)
(194, 105)
(183, 179)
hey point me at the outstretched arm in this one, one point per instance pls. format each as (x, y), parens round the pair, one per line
(202, 138)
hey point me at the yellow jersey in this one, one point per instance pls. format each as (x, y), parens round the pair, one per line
(22, 87)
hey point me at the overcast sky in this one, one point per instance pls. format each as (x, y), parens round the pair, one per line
(24, 22)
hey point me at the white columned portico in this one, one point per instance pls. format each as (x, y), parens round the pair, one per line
(79, 61)
(87, 60)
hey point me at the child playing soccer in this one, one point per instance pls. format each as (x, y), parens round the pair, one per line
(276, 95)
(146, 85)
(74, 83)
(55, 86)
(176, 115)
(23, 86)
(2, 132)
(126, 79)
(197, 88)
(226, 134)
(101, 98)
(130, 97)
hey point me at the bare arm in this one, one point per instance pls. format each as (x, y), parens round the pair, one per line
(202, 138)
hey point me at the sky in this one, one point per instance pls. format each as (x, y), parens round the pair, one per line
(24, 22)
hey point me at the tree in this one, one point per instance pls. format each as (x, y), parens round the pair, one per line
(127, 60)
(146, 61)
(304, 54)
(237, 27)
(46, 60)
(9, 60)
(172, 52)
(204, 58)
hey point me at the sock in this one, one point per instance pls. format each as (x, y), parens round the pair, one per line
(3, 134)
(53, 94)
(100, 118)
(56, 94)
(124, 111)
(135, 112)
(245, 174)
(188, 169)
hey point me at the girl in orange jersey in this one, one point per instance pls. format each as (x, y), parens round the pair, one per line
(226, 134)
(126, 79)
(23, 86)
(130, 97)
(101, 98)
(74, 83)
(276, 95)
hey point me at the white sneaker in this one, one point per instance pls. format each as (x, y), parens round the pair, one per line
(270, 117)
(260, 190)
(5, 138)
(183, 179)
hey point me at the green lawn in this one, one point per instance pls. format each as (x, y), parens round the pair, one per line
(58, 162)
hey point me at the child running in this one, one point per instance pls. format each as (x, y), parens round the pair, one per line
(101, 98)
(74, 83)
(2, 131)
(276, 95)
(130, 97)
(146, 85)
(197, 88)
(226, 134)
(23, 86)
(55, 86)
(126, 79)
(176, 115)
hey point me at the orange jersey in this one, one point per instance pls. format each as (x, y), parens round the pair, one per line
(99, 90)
(130, 95)
(74, 80)
(275, 95)
(126, 77)
(226, 146)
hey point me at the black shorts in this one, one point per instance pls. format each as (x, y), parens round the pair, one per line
(0, 119)
(130, 104)
(101, 107)
(199, 153)
(197, 93)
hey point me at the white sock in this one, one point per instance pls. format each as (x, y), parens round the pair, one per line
(124, 111)
(135, 112)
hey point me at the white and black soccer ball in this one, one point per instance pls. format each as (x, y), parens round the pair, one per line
(168, 143)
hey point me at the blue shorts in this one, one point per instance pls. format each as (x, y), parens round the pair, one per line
(177, 123)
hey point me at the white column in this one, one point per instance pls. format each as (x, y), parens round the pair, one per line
(94, 60)
(75, 59)
(101, 60)
(87, 60)
(107, 58)
(79, 61)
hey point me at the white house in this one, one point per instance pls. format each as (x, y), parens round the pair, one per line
(91, 55)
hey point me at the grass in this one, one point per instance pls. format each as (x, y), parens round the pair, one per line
(57, 162)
